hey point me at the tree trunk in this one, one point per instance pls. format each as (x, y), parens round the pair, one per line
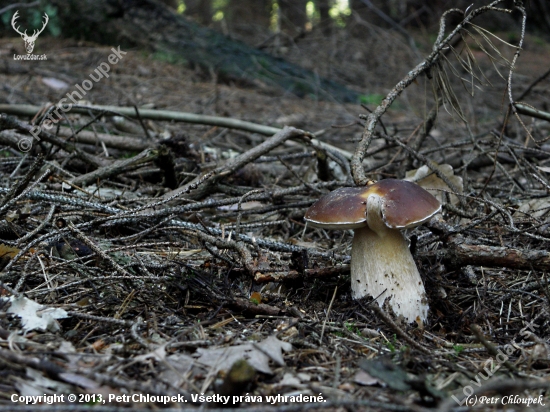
(200, 10)
(292, 16)
(539, 15)
(326, 22)
(249, 18)
(359, 12)
(359, 8)
(150, 25)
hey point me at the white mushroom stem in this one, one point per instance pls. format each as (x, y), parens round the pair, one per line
(382, 267)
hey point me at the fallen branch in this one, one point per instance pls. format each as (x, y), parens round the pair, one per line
(245, 305)
(308, 273)
(240, 161)
(459, 253)
(11, 138)
(168, 115)
(131, 143)
(116, 167)
(531, 111)
(7, 122)
(456, 253)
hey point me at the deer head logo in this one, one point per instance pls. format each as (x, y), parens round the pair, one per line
(29, 40)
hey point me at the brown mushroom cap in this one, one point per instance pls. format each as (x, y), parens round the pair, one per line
(343, 208)
(403, 205)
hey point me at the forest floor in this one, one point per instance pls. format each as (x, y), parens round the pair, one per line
(118, 284)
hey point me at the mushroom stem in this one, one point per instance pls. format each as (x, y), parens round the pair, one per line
(382, 267)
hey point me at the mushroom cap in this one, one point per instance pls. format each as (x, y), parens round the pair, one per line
(343, 208)
(402, 205)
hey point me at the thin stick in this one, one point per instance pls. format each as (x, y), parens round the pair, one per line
(79, 235)
(490, 347)
(389, 321)
(328, 313)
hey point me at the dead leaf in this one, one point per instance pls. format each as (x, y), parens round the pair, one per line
(274, 347)
(158, 354)
(35, 316)
(256, 298)
(66, 347)
(36, 384)
(255, 354)
(536, 208)
(427, 179)
(388, 372)
(290, 380)
(540, 351)
(8, 251)
(79, 380)
(54, 83)
(363, 378)
(176, 368)
(397, 378)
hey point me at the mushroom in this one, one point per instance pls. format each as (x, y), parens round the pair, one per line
(381, 264)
